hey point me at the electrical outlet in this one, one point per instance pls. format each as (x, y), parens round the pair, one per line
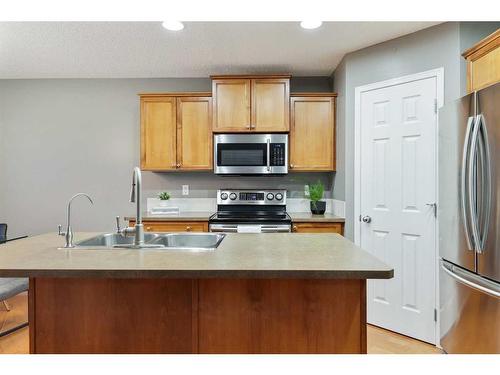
(185, 189)
(306, 190)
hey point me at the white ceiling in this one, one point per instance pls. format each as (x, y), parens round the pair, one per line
(145, 49)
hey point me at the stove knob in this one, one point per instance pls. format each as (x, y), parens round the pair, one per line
(279, 196)
(223, 196)
(232, 196)
(270, 196)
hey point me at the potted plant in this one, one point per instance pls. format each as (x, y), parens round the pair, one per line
(164, 197)
(318, 207)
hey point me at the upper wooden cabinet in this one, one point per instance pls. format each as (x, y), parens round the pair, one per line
(483, 63)
(312, 132)
(251, 103)
(194, 133)
(158, 133)
(176, 131)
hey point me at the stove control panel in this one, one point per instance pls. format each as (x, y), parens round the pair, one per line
(251, 197)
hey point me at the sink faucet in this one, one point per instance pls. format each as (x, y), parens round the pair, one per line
(135, 197)
(69, 232)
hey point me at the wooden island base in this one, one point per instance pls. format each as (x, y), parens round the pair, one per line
(73, 315)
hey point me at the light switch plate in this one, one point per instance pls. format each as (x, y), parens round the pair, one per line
(306, 190)
(185, 189)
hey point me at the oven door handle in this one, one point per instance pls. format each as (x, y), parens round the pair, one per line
(268, 155)
(224, 228)
(275, 229)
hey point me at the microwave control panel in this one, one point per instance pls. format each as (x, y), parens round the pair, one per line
(277, 157)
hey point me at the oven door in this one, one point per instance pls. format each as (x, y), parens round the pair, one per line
(251, 154)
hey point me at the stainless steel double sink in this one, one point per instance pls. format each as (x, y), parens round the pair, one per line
(155, 241)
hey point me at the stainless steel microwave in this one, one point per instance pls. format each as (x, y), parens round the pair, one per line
(255, 154)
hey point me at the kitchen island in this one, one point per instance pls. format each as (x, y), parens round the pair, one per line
(256, 293)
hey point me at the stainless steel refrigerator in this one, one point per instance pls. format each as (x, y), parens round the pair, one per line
(469, 223)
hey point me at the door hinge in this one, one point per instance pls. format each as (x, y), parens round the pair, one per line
(435, 315)
(435, 106)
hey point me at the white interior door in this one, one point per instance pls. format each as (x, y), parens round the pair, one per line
(398, 186)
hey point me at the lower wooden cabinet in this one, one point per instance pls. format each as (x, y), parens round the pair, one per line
(202, 226)
(315, 227)
(173, 226)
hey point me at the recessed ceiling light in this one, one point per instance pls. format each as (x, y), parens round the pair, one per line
(173, 25)
(310, 24)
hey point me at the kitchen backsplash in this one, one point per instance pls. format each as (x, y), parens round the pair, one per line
(205, 184)
(334, 206)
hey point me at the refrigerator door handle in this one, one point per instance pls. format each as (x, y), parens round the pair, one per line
(472, 184)
(486, 182)
(471, 280)
(463, 183)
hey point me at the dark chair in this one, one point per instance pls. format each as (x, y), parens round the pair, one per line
(10, 286)
(3, 232)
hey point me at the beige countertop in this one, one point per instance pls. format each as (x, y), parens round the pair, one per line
(182, 216)
(309, 217)
(240, 255)
(204, 216)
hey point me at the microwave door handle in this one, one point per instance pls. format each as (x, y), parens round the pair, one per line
(486, 181)
(463, 183)
(268, 163)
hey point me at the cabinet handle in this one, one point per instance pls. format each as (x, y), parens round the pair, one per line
(178, 165)
(294, 228)
(188, 229)
(148, 228)
(291, 165)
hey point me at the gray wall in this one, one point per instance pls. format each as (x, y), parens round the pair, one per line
(59, 137)
(435, 47)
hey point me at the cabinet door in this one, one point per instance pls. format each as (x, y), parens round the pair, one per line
(231, 105)
(194, 133)
(312, 134)
(270, 105)
(485, 70)
(312, 227)
(158, 133)
(173, 226)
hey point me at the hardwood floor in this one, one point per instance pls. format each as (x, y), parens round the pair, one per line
(17, 342)
(380, 341)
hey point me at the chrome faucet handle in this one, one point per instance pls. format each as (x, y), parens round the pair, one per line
(59, 230)
(118, 229)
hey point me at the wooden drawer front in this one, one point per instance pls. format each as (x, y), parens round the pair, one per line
(174, 226)
(318, 228)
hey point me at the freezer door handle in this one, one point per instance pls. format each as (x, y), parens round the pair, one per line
(464, 188)
(471, 280)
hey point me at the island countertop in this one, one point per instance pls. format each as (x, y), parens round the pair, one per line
(240, 255)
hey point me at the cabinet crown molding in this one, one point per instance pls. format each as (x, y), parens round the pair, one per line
(483, 46)
(314, 94)
(250, 76)
(174, 94)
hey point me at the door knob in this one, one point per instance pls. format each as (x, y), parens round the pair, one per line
(366, 219)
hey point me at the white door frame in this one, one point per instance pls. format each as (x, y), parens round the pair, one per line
(439, 75)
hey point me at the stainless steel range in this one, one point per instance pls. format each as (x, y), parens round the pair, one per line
(251, 211)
